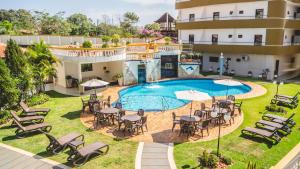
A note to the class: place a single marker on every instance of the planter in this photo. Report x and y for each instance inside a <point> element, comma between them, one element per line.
<point>120,81</point>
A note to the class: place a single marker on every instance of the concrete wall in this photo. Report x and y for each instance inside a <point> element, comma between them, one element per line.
<point>60,80</point>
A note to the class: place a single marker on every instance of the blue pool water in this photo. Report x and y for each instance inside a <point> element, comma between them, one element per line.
<point>161,96</point>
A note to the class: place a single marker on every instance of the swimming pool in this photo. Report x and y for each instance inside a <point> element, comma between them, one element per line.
<point>160,96</point>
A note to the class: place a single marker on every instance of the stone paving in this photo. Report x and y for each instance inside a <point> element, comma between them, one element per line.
<point>12,158</point>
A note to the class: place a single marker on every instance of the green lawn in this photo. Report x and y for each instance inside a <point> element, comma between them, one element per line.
<point>64,117</point>
<point>243,150</point>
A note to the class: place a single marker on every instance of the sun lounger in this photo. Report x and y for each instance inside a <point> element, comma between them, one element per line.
<point>280,119</point>
<point>287,97</point>
<point>33,111</point>
<point>22,130</point>
<point>57,145</point>
<point>82,155</point>
<point>273,136</point>
<point>292,103</point>
<point>265,124</point>
<point>27,119</point>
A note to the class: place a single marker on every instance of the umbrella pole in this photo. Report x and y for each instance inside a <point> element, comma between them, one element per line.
<point>191,109</point>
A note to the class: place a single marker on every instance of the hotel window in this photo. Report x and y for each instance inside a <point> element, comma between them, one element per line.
<point>191,39</point>
<point>258,40</point>
<point>240,36</point>
<point>241,12</point>
<point>259,13</point>
<point>216,16</point>
<point>229,36</point>
<point>214,59</point>
<point>231,13</point>
<point>192,17</point>
<point>214,39</point>
<point>87,67</point>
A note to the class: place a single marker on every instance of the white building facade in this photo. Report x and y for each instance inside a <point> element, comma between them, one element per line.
<point>255,36</point>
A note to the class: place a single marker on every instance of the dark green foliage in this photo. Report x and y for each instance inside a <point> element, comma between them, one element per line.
<point>226,160</point>
<point>87,44</point>
<point>8,90</point>
<point>4,116</point>
<point>37,99</point>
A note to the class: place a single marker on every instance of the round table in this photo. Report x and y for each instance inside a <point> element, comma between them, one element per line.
<point>227,102</point>
<point>190,119</point>
<point>110,110</point>
<point>131,117</point>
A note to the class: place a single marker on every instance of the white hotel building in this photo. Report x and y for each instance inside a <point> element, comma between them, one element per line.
<point>254,35</point>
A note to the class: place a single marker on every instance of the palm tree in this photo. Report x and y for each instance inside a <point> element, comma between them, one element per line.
<point>43,63</point>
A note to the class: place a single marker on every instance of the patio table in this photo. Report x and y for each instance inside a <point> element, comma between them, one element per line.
<point>131,117</point>
<point>110,112</point>
<point>190,119</point>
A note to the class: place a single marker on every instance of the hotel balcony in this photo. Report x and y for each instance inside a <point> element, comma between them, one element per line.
<point>91,55</point>
<point>242,47</point>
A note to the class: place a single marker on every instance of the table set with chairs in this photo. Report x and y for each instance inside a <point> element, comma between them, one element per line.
<point>106,114</point>
<point>221,112</point>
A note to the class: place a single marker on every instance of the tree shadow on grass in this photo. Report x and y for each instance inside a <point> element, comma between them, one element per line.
<point>54,94</point>
<point>186,166</point>
<point>72,115</point>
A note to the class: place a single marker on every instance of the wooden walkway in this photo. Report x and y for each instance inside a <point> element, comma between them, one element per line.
<point>13,158</point>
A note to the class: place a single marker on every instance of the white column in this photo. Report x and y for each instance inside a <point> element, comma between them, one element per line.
<point>79,72</point>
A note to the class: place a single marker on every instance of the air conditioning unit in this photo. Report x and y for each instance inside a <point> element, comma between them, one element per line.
<point>246,58</point>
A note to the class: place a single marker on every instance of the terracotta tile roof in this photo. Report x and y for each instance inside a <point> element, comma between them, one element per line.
<point>2,49</point>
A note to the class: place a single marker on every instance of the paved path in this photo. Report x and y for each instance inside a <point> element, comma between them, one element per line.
<point>13,158</point>
<point>155,156</point>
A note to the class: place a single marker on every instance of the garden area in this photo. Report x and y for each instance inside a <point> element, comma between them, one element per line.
<point>243,150</point>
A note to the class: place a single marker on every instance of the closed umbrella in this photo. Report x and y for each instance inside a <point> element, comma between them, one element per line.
<point>94,83</point>
<point>192,95</point>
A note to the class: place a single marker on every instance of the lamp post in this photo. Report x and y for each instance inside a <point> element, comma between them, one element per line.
<point>277,82</point>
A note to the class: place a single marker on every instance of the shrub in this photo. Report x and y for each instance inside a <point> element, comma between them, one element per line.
<point>127,42</point>
<point>214,152</point>
<point>168,40</point>
<point>105,45</point>
<point>4,116</point>
<point>212,161</point>
<point>203,159</point>
<point>115,38</point>
<point>226,160</point>
<point>37,99</point>
<point>87,44</point>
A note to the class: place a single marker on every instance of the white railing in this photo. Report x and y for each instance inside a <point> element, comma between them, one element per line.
<point>88,52</point>
<point>183,20</point>
<point>167,48</point>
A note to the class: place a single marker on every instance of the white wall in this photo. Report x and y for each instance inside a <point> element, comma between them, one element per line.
<point>256,64</point>
<point>204,36</point>
<point>206,12</point>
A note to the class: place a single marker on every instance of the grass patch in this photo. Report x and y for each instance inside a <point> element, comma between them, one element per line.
<point>64,117</point>
<point>243,150</point>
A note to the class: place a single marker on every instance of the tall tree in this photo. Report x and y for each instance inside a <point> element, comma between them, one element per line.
<point>44,63</point>
<point>80,24</point>
<point>129,21</point>
<point>18,66</point>
<point>8,90</point>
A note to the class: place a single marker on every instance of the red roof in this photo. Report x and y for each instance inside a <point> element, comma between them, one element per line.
<point>2,49</point>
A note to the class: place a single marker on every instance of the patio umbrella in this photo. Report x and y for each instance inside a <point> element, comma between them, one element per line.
<point>192,95</point>
<point>228,82</point>
<point>94,83</point>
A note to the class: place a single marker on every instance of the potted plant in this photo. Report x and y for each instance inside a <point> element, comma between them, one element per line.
<point>189,58</point>
<point>182,58</point>
<point>105,40</point>
<point>119,77</point>
<point>115,39</point>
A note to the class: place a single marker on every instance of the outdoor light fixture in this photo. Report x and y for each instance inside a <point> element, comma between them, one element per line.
<point>278,82</point>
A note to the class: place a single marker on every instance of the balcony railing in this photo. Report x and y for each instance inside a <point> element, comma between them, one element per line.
<point>142,56</point>
<point>253,43</point>
<point>87,52</point>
